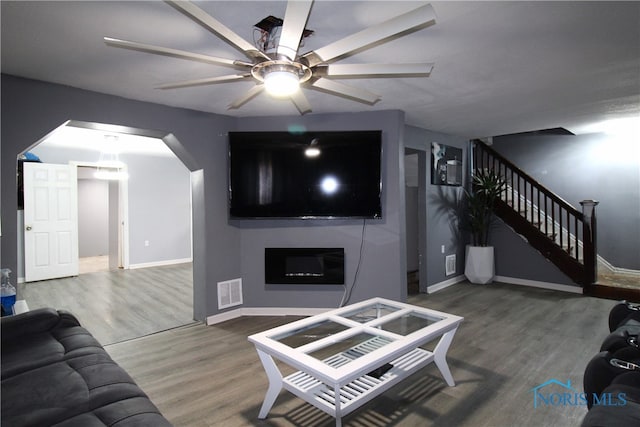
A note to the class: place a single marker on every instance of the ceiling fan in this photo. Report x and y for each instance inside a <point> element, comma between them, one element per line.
<point>283,70</point>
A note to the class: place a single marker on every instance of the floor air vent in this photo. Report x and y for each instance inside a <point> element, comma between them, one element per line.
<point>229,293</point>
<point>450,265</point>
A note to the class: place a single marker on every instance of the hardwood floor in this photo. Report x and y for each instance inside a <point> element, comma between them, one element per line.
<point>513,339</point>
<point>122,304</point>
<point>93,264</point>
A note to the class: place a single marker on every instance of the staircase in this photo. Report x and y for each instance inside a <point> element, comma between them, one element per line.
<point>560,232</point>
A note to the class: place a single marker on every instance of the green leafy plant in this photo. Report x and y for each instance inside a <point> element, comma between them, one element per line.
<point>486,188</point>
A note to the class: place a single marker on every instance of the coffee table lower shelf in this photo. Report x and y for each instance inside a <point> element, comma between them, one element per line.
<point>357,392</point>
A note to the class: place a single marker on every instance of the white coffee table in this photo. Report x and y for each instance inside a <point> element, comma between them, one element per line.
<point>337,353</point>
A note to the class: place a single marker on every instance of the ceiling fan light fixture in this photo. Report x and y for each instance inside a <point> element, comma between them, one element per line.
<point>281,83</point>
<point>312,150</point>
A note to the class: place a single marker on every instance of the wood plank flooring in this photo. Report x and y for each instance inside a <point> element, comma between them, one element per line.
<point>122,304</point>
<point>513,339</point>
<point>93,264</point>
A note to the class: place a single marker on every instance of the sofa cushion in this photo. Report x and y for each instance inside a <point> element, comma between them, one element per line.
<point>627,414</point>
<point>23,353</point>
<point>55,373</point>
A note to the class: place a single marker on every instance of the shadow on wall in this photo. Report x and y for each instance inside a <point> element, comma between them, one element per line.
<point>450,205</point>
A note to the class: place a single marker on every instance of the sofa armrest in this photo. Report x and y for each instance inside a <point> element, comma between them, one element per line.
<point>34,321</point>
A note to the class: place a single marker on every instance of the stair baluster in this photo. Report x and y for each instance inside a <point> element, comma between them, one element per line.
<point>559,231</point>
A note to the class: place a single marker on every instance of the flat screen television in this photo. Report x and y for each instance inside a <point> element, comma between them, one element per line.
<point>305,175</point>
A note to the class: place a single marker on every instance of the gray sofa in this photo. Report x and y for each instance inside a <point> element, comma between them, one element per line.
<point>55,373</point>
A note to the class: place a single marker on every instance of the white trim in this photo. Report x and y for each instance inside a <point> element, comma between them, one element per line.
<point>536,284</point>
<point>264,311</point>
<point>160,263</point>
<point>445,284</point>
<point>613,269</point>
<point>626,271</point>
<point>606,264</point>
<point>123,224</point>
<point>223,317</point>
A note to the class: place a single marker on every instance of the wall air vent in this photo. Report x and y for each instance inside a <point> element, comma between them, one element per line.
<point>229,293</point>
<point>450,265</point>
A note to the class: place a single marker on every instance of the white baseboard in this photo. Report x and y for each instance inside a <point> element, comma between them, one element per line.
<point>160,263</point>
<point>616,270</point>
<point>626,271</point>
<point>264,311</point>
<point>449,282</point>
<point>536,284</point>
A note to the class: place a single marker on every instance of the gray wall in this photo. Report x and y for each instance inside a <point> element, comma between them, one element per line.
<point>93,217</point>
<point>439,205</point>
<point>515,258</point>
<point>594,166</point>
<point>159,209</point>
<point>31,109</point>
<point>158,198</point>
<point>383,269</point>
<point>222,250</point>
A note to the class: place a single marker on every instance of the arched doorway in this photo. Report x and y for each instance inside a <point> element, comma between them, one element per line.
<point>142,167</point>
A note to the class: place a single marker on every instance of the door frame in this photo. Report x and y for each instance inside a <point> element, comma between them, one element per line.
<point>123,215</point>
<point>422,212</point>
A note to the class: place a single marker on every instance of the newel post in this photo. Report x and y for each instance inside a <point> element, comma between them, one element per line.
<point>589,241</point>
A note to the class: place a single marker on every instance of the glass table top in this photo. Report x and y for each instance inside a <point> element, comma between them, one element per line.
<point>314,332</point>
<point>350,334</point>
<point>409,323</point>
<point>369,313</point>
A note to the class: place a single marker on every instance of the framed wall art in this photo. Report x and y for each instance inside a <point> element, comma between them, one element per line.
<point>446,165</point>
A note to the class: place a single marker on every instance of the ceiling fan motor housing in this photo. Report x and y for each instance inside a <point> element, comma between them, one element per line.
<point>260,70</point>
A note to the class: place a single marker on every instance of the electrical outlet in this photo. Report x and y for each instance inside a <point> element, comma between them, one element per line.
<point>146,243</point>
<point>442,249</point>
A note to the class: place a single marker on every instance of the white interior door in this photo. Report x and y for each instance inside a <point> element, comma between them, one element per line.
<point>50,221</point>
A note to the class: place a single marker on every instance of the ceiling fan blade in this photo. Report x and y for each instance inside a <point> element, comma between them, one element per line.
<point>295,19</point>
<point>400,25</point>
<point>218,28</point>
<point>378,70</point>
<point>248,96</point>
<point>174,53</point>
<point>301,102</point>
<point>343,90</point>
<point>206,81</point>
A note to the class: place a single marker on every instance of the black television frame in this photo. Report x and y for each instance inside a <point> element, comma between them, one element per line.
<point>377,215</point>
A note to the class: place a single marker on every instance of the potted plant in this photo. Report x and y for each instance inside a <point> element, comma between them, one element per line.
<point>479,215</point>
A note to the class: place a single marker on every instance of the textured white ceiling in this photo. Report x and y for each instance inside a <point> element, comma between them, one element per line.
<point>500,67</point>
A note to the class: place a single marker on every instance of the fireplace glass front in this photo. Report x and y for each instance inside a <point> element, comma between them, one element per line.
<point>304,266</point>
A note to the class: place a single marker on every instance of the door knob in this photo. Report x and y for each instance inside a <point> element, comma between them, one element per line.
<point>28,228</point>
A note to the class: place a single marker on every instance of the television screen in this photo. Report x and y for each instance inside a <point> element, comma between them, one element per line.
<point>305,175</point>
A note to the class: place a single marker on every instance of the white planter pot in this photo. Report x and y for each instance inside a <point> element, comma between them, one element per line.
<point>479,264</point>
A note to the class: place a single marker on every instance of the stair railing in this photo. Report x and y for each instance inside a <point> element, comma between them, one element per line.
<point>571,233</point>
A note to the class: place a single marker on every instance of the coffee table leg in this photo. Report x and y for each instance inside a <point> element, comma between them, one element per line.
<point>440,354</point>
<point>338,409</point>
<point>275,383</point>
